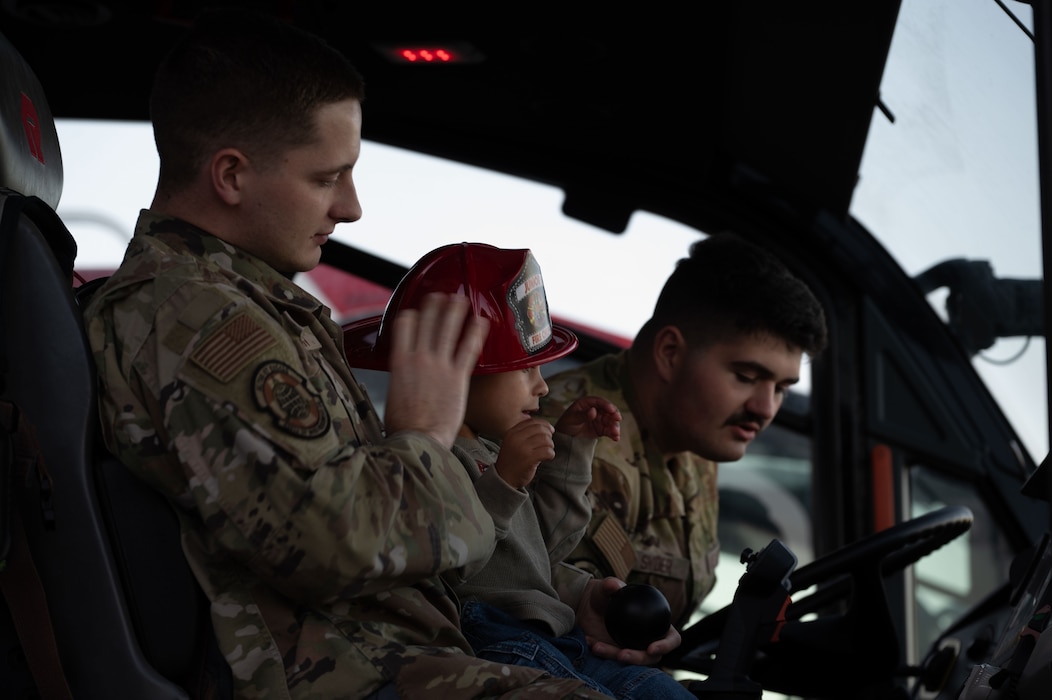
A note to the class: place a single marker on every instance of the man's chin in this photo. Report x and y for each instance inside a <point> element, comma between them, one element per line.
<point>730,453</point>
<point>308,263</point>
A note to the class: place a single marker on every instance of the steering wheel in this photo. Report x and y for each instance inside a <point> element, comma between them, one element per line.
<point>849,639</point>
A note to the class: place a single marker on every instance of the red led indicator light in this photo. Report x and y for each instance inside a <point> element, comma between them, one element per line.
<point>444,52</point>
<point>427,55</point>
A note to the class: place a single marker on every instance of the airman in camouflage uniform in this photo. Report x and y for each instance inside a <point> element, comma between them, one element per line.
<point>702,378</point>
<point>319,539</point>
<point>637,490</point>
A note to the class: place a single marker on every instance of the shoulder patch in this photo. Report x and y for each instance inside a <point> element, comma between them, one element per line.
<point>227,350</point>
<point>284,393</point>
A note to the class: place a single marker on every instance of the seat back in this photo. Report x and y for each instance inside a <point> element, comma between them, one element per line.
<point>129,619</point>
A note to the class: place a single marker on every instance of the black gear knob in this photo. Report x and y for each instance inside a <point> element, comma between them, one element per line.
<point>637,615</point>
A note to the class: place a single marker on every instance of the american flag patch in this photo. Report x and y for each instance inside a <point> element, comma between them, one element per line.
<point>612,541</point>
<point>224,353</point>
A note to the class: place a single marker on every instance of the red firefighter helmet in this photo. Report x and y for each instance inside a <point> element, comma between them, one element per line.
<point>504,286</point>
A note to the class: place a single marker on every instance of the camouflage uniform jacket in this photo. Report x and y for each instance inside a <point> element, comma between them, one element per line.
<point>536,528</point>
<point>318,540</point>
<point>653,515</point>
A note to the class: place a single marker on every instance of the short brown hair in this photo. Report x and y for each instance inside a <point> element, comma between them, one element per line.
<point>245,80</point>
<point>729,287</point>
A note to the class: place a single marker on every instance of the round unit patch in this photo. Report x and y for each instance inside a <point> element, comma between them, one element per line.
<point>281,391</point>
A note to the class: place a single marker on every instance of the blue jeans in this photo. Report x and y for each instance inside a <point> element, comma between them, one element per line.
<point>497,636</point>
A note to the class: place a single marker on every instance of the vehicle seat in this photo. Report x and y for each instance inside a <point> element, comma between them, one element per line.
<point>129,619</point>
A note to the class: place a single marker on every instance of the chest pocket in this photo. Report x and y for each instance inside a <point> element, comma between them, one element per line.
<point>615,490</point>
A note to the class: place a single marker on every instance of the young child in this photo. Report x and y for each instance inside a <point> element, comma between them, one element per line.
<point>531,477</point>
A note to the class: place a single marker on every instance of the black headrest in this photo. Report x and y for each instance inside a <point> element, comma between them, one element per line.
<point>30,159</point>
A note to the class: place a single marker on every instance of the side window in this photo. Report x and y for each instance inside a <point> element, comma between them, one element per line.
<point>949,581</point>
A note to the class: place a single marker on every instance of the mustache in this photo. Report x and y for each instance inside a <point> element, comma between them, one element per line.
<point>747,418</point>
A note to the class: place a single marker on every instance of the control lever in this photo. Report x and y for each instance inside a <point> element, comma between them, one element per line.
<point>756,617</point>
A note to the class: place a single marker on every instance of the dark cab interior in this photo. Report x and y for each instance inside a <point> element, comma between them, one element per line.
<point>755,120</point>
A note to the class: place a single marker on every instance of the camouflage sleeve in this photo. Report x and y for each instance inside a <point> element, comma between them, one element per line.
<point>553,407</point>
<point>357,522</point>
<point>285,470</point>
<point>560,495</point>
<point>566,387</point>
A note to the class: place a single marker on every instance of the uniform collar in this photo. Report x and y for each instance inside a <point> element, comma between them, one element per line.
<point>182,238</point>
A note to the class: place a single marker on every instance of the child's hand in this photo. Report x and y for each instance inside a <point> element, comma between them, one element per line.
<point>591,417</point>
<point>524,446</point>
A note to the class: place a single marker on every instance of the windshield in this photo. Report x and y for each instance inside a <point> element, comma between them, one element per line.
<point>949,171</point>
<point>955,174</point>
